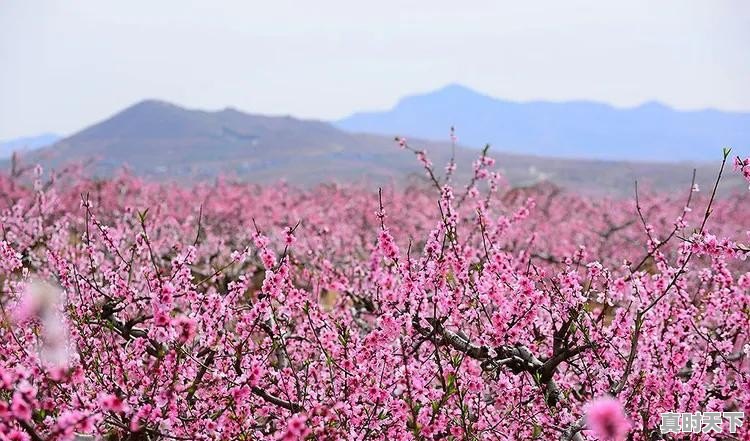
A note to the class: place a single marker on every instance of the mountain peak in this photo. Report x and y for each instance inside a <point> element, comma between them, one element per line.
<point>151,103</point>
<point>653,105</point>
<point>456,88</point>
<point>453,95</point>
<point>453,92</point>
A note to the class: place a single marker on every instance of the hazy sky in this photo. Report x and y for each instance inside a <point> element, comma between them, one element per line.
<point>64,65</point>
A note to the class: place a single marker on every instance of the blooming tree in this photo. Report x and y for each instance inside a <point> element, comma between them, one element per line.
<point>141,311</point>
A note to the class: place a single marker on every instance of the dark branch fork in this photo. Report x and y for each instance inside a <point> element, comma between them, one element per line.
<point>516,358</point>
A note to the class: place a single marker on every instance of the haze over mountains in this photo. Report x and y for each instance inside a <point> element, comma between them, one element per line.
<point>26,143</point>
<point>160,140</point>
<point>576,129</point>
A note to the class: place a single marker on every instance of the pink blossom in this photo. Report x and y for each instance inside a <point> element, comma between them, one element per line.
<point>186,328</point>
<point>18,435</point>
<point>112,403</point>
<point>606,418</point>
<point>743,167</point>
<point>20,408</point>
<point>10,260</point>
<point>296,428</point>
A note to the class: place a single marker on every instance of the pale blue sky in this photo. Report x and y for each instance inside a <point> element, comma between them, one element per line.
<point>64,65</point>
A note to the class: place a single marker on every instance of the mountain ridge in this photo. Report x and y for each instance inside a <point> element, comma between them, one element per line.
<point>580,129</point>
<point>164,141</point>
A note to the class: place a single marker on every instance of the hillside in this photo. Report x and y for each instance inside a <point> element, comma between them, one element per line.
<point>578,129</point>
<point>161,141</point>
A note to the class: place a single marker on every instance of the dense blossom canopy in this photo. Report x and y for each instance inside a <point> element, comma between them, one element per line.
<point>141,311</point>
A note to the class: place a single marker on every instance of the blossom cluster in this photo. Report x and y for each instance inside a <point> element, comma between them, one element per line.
<point>225,311</point>
<point>743,167</point>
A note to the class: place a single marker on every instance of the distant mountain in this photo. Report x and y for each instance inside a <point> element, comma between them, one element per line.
<point>27,143</point>
<point>576,129</point>
<point>161,141</point>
